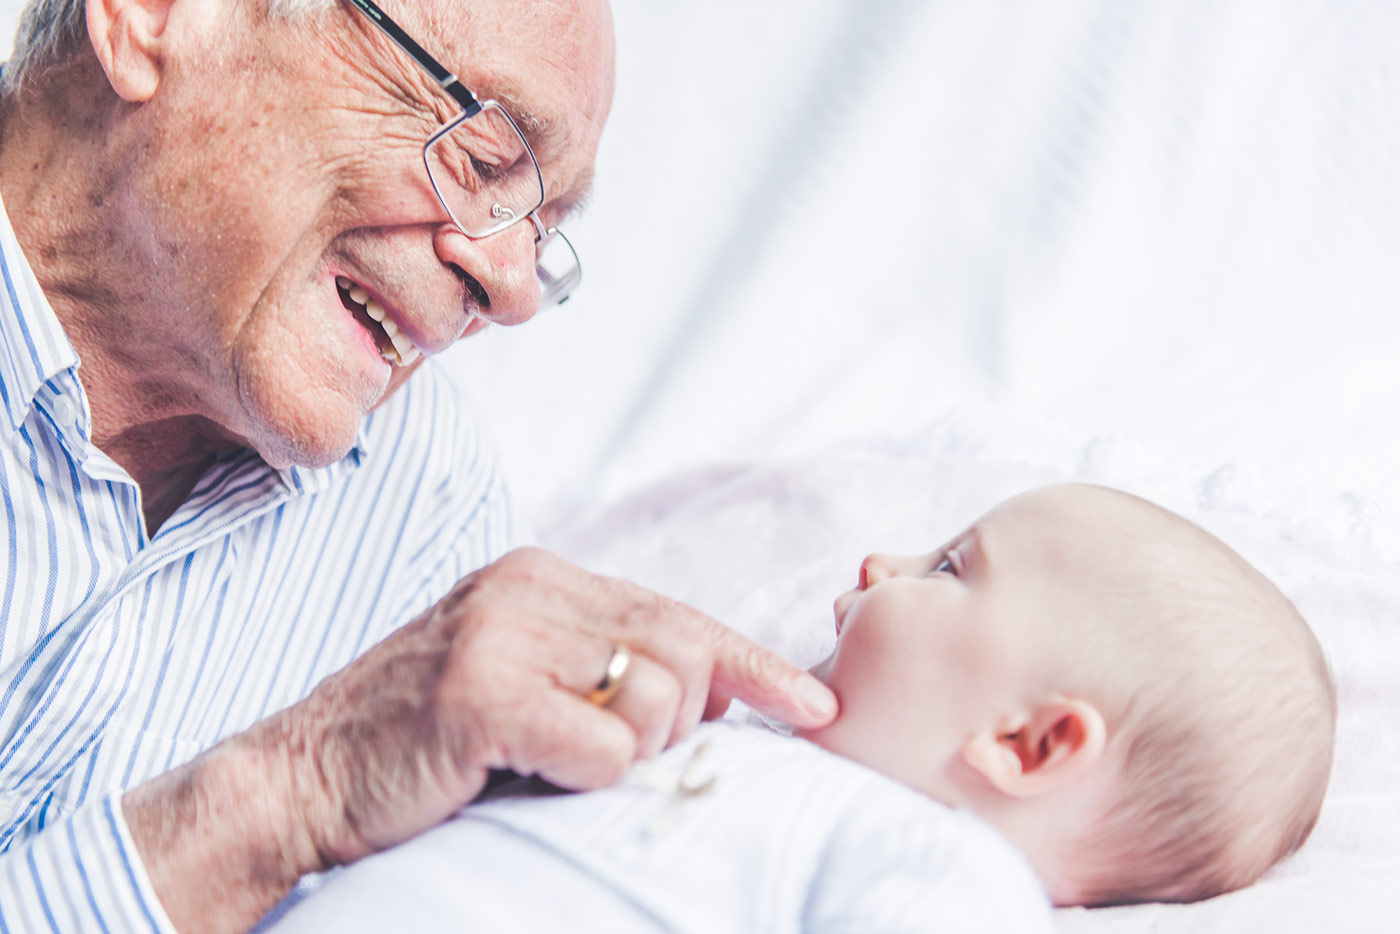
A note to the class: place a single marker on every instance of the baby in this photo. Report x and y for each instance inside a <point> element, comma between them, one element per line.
<point>1128,701</point>
<point>1082,696</point>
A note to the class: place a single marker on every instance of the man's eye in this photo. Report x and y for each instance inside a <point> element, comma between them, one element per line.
<point>486,170</point>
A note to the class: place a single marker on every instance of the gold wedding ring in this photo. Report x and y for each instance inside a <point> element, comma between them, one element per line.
<point>611,681</point>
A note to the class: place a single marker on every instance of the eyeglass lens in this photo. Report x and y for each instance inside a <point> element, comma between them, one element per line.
<point>483,172</point>
<point>557,267</point>
<point>486,177</point>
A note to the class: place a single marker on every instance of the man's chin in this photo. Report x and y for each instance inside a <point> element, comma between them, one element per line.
<point>308,449</point>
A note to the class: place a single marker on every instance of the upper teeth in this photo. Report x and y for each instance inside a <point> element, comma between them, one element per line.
<point>407,352</point>
<point>401,352</point>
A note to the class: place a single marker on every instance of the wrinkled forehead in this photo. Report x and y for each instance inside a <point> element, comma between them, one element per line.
<point>550,63</point>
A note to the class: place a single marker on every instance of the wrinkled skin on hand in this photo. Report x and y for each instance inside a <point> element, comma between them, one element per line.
<point>495,677</point>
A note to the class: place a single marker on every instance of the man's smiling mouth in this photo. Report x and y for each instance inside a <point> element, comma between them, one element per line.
<point>393,346</point>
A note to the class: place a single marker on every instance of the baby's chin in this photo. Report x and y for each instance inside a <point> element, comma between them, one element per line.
<point>819,671</point>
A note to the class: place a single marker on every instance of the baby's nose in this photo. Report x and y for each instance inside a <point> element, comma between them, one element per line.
<point>873,569</point>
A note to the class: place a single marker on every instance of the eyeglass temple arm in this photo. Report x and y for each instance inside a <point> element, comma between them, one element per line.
<point>445,79</point>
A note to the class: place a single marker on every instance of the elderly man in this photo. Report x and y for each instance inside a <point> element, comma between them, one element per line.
<point>257,614</point>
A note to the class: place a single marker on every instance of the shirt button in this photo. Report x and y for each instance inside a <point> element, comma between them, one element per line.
<point>65,412</point>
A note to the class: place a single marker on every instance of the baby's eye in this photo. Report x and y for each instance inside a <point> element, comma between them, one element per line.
<point>946,566</point>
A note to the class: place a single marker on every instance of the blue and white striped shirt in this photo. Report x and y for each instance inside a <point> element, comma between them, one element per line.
<point>124,654</point>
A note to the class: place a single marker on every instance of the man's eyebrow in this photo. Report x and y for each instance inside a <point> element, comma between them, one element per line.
<point>547,136</point>
<point>543,132</point>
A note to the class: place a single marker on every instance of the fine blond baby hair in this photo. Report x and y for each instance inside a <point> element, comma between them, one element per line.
<point>1218,701</point>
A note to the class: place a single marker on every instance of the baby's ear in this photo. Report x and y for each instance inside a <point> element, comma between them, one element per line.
<point>1039,752</point>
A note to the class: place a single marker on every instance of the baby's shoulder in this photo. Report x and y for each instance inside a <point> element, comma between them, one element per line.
<point>900,866</point>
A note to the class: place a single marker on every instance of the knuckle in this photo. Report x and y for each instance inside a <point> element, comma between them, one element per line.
<point>520,563</point>
<point>531,556</point>
<point>693,658</point>
<point>659,694</point>
<point>648,612</point>
<point>643,610</point>
<point>759,664</point>
<point>526,565</point>
<point>511,590</point>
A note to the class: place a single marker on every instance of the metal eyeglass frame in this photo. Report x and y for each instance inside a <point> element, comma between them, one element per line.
<point>471,106</point>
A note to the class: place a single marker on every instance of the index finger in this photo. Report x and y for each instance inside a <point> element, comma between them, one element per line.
<point>767,682</point>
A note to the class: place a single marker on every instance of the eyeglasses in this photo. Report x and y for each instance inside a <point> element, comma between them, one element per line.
<point>484,172</point>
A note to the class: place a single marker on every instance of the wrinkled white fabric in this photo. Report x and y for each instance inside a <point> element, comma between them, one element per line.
<point>785,838</point>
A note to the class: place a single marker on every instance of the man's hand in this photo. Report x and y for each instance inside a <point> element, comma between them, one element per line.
<point>493,677</point>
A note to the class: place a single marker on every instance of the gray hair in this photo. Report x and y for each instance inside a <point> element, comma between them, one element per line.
<point>50,30</point>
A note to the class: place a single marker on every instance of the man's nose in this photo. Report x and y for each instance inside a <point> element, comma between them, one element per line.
<point>503,264</point>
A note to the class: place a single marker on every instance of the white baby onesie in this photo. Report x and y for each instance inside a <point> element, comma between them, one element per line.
<point>736,829</point>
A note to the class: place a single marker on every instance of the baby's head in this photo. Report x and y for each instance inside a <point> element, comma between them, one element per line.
<point>1132,704</point>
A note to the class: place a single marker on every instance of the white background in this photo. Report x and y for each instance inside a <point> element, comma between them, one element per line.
<point>1173,222</point>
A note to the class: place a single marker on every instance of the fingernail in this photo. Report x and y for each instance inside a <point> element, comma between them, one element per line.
<point>817,698</point>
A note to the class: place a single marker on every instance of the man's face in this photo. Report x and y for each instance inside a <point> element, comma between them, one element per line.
<point>276,158</point>
<point>932,648</point>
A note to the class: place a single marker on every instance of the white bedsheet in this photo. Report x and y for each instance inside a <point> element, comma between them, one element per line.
<point>767,547</point>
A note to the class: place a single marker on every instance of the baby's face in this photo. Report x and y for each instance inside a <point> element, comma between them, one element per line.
<point>932,648</point>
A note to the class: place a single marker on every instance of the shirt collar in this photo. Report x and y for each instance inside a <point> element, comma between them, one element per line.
<point>33,345</point>
<point>302,480</point>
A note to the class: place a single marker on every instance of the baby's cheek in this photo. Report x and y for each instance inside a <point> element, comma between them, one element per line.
<point>845,737</point>
<point>969,655</point>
